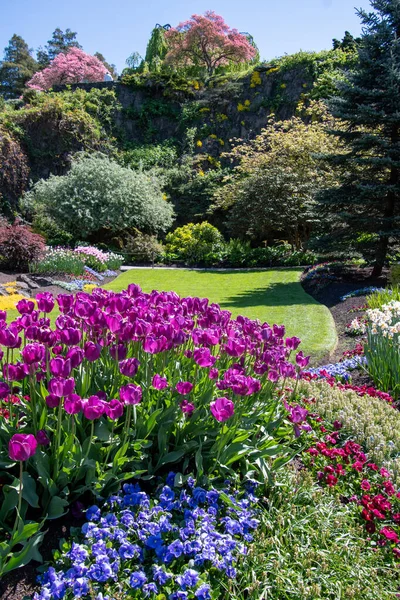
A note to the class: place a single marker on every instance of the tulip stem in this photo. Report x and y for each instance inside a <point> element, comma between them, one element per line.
<point>18,515</point>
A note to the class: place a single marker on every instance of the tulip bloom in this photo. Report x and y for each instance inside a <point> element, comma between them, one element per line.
<point>42,438</point>
<point>61,387</point>
<point>45,302</point>
<point>92,351</point>
<point>93,408</point>
<point>203,357</point>
<point>159,383</point>
<point>184,387</point>
<point>114,409</point>
<point>129,367</point>
<point>22,446</point>
<point>73,404</point>
<point>222,409</point>
<point>131,394</point>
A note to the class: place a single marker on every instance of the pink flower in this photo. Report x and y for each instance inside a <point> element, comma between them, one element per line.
<point>390,534</point>
<point>131,394</point>
<point>184,387</point>
<point>22,446</point>
<point>365,485</point>
<point>159,383</point>
<point>222,409</point>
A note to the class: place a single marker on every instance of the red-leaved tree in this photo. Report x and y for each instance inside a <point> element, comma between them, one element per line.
<point>73,67</point>
<point>207,41</point>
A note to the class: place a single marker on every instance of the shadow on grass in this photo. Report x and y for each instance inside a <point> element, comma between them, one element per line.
<point>275,294</point>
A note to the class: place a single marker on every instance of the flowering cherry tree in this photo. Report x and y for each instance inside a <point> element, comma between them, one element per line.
<point>206,40</point>
<point>73,67</point>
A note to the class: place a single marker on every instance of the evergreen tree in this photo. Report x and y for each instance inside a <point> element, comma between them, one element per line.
<point>366,205</point>
<point>60,42</point>
<point>16,68</point>
<point>112,69</point>
<point>157,47</point>
<point>348,43</point>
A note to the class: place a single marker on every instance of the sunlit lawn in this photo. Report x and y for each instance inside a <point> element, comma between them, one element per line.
<point>275,296</point>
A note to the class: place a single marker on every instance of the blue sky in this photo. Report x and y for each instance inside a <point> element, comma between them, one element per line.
<point>119,27</point>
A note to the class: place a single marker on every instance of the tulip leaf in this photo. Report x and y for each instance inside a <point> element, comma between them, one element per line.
<point>29,552</point>
<point>171,457</point>
<point>57,507</point>
<point>29,490</point>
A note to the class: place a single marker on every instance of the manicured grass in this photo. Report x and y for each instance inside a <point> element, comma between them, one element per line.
<point>275,296</point>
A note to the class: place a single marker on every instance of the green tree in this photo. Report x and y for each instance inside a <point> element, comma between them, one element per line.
<point>271,193</point>
<point>60,42</point>
<point>367,203</point>
<point>348,43</point>
<point>99,195</point>
<point>16,68</point>
<point>112,69</point>
<point>157,48</point>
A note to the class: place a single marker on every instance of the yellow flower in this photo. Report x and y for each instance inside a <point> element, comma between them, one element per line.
<point>201,173</point>
<point>9,302</point>
<point>247,102</point>
<point>213,136</point>
<point>255,79</point>
<point>199,143</point>
<point>164,196</point>
<point>89,287</point>
<point>221,142</point>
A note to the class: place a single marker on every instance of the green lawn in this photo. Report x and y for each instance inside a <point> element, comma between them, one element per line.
<point>275,296</point>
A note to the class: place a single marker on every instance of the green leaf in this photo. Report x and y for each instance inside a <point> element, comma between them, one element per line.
<point>29,490</point>
<point>10,502</point>
<point>171,457</point>
<point>56,507</point>
<point>101,431</point>
<point>29,552</point>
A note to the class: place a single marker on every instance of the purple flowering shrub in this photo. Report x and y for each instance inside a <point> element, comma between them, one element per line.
<point>180,545</point>
<point>126,384</point>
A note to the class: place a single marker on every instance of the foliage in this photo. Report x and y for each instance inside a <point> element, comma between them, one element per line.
<point>157,48</point>
<point>195,244</point>
<point>16,68</point>
<point>206,41</point>
<point>380,297</point>
<point>143,248</point>
<point>60,43</point>
<point>73,67</point>
<point>241,254</point>
<point>308,545</point>
<point>19,245</point>
<point>367,200</point>
<point>382,349</point>
<point>98,193</point>
<point>58,261</point>
<point>271,194</point>
<point>370,421</point>
<point>162,562</point>
<point>148,156</point>
<point>14,170</point>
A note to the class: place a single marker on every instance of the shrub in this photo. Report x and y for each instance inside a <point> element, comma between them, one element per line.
<point>241,254</point>
<point>195,244</point>
<point>19,245</point>
<point>96,194</point>
<point>143,248</point>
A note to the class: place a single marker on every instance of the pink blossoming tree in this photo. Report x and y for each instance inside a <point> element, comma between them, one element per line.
<point>207,41</point>
<point>73,67</point>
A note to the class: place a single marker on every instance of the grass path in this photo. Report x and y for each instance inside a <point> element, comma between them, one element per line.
<point>275,296</point>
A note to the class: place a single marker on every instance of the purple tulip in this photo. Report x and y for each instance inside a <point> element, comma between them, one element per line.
<point>266,334</point>
<point>184,387</point>
<point>129,367</point>
<point>25,307</point>
<point>60,367</point>
<point>10,338</point>
<point>70,336</point>
<point>42,438</point>
<point>222,409</point>
<point>158,382</point>
<point>22,446</point>
<point>187,408</point>
<point>235,348</point>
<point>61,387</point>
<point>92,351</point>
<point>16,372</point>
<point>93,408</point>
<point>292,343</point>
<point>302,360</point>
<point>273,375</point>
<point>203,357</point>
<point>84,308</point>
<point>52,400</point>
<point>45,302</point>
<point>3,315</point>
<point>4,390</point>
<point>33,353</point>
<point>213,374</point>
<point>114,323</point>
<point>75,355</point>
<point>73,404</point>
<point>65,302</point>
<point>118,351</point>
<point>287,370</point>
<point>114,409</point>
<point>131,394</point>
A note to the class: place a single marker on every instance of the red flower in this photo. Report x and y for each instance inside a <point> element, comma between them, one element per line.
<point>331,480</point>
<point>365,485</point>
<point>390,534</point>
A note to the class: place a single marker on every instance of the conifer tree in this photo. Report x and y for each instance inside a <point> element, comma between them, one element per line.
<point>16,68</point>
<point>366,205</point>
<point>60,42</point>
